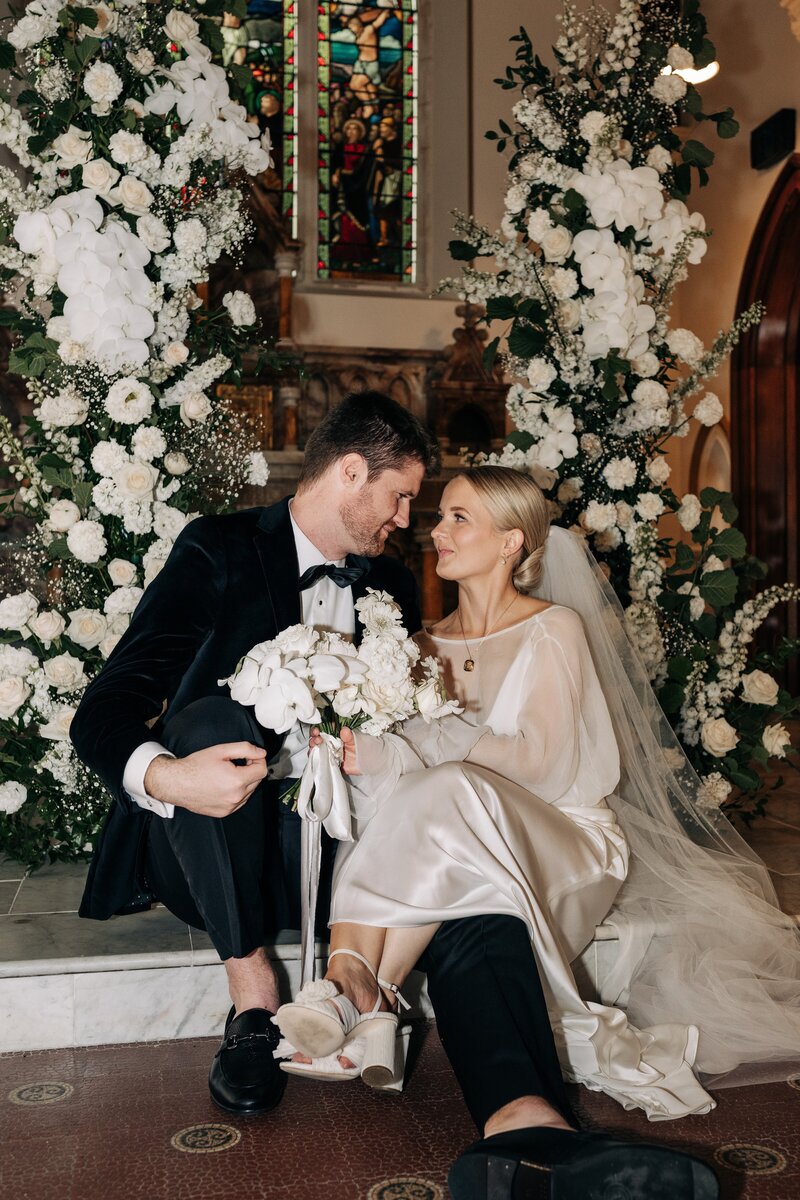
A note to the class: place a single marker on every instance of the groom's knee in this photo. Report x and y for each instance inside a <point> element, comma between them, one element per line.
<point>210,721</point>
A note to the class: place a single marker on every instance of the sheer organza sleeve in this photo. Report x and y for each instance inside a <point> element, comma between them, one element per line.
<point>562,747</point>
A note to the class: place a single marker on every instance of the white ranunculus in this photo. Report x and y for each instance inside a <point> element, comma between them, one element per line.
<point>620,473</point>
<point>57,728</point>
<point>136,480</point>
<point>17,610</point>
<point>556,244</point>
<point>87,541</point>
<point>669,89</point>
<point>598,517</point>
<point>649,506</point>
<point>122,601</point>
<point>121,572</point>
<point>12,796</point>
<point>690,511</point>
<point>759,688</point>
<point>718,737</point>
<point>99,176</point>
<point>240,308</point>
<point>129,402</point>
<point>65,672</point>
<point>63,514</point>
<point>176,463</point>
<point>68,407</point>
<point>102,84</point>
<point>14,691</point>
<point>541,374</point>
<point>195,408</point>
<point>73,148</point>
<point>175,354</point>
<point>776,740</point>
<point>134,196</point>
<point>47,627</point>
<point>87,627</point>
<point>679,58</point>
<point>180,27</point>
<point>685,345</point>
<point>708,410</point>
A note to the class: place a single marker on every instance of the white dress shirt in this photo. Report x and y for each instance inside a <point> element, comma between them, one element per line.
<point>325,605</point>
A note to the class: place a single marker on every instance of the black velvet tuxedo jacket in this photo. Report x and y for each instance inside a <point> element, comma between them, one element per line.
<point>230,582</point>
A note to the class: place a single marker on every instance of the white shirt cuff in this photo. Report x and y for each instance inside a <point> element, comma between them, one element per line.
<point>133,778</point>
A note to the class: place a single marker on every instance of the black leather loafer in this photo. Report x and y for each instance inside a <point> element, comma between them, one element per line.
<point>557,1164</point>
<point>244,1078</point>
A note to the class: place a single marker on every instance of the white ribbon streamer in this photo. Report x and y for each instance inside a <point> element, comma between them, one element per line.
<point>322,800</point>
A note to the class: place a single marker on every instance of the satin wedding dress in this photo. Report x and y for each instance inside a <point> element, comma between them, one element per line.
<point>509,809</point>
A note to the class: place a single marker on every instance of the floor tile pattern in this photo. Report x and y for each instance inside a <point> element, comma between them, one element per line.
<point>124,1131</point>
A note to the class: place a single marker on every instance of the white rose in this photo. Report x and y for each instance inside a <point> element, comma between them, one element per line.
<point>107,22</point>
<point>541,374</point>
<point>87,627</point>
<point>16,611</point>
<point>13,694</point>
<point>176,463</point>
<point>556,244</point>
<point>136,480</point>
<point>620,473</point>
<point>65,672</point>
<point>47,627</point>
<point>718,737</point>
<point>175,354</point>
<point>709,410</point>
<point>129,402</point>
<point>759,688</point>
<point>63,514</point>
<point>669,89</point>
<point>240,308</point>
<point>73,148</point>
<point>679,58</point>
<point>57,728</point>
<point>649,506</point>
<point>776,740</point>
<point>121,572</point>
<point>134,196</point>
<point>99,176</point>
<point>690,511</point>
<point>138,110</point>
<point>87,541</point>
<point>195,407</point>
<point>658,469</point>
<point>109,643</point>
<point>12,796</point>
<point>180,27</point>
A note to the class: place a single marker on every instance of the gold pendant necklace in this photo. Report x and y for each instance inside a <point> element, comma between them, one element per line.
<point>469,661</point>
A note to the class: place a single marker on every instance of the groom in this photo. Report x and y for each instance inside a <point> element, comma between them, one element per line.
<point>196,819</point>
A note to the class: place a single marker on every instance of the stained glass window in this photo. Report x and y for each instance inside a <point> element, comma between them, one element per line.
<point>265,42</point>
<point>367,107</point>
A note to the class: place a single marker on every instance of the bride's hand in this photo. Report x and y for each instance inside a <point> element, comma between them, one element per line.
<point>350,759</point>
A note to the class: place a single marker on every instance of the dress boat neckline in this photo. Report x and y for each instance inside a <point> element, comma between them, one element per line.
<point>487,637</point>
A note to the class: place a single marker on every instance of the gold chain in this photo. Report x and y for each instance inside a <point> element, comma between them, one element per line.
<point>469,661</point>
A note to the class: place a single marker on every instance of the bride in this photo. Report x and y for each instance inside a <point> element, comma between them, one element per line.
<point>562,797</point>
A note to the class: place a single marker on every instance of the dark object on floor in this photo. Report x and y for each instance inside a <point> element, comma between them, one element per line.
<point>244,1078</point>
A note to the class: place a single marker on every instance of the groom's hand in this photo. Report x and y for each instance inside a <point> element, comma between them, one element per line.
<point>213,782</point>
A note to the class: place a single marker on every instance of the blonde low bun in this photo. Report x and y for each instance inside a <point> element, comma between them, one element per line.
<point>515,501</point>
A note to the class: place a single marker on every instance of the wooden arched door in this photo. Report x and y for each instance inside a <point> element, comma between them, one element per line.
<point>765,377</point>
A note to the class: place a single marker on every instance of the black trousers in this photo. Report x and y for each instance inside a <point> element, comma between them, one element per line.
<point>238,878</point>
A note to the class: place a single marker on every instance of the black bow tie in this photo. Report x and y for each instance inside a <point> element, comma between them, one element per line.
<point>342,576</point>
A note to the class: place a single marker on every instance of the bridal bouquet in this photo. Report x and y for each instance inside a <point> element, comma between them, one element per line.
<point>320,678</point>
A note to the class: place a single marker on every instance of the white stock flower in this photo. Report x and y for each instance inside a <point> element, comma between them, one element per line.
<point>136,480</point>
<point>759,688</point>
<point>12,794</point>
<point>620,473</point>
<point>121,572</point>
<point>65,673</point>
<point>176,463</point>
<point>599,517</point>
<point>776,740</point>
<point>708,410</point>
<point>669,89</point>
<point>129,402</point>
<point>649,506</point>
<point>63,514</point>
<point>48,626</point>
<point>148,442</point>
<point>57,728</point>
<point>241,309</point>
<point>690,511</point>
<point>195,408</point>
<point>87,541</point>
<point>658,469</point>
<point>718,737</point>
<point>685,345</point>
<point>14,691</point>
<point>17,610</point>
<point>73,148</point>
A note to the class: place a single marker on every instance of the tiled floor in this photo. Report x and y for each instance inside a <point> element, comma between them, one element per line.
<point>102,1124</point>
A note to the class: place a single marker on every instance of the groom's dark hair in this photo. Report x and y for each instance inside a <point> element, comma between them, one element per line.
<point>385,434</point>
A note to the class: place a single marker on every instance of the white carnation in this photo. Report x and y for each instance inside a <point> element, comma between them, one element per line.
<point>646,365</point>
<point>649,506</point>
<point>17,610</point>
<point>125,147</point>
<point>679,58</point>
<point>620,473</point>
<point>87,541</point>
<point>541,374</point>
<point>669,89</point>
<point>123,600</point>
<point>713,791</point>
<point>103,85</point>
<point>240,308</point>
<point>658,469</point>
<point>690,511</point>
<point>599,517</point>
<point>12,794</point>
<point>108,457</point>
<point>148,442</point>
<point>709,410</point>
<point>685,345</point>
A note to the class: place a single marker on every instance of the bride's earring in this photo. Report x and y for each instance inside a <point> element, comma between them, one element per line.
<point>503,559</point>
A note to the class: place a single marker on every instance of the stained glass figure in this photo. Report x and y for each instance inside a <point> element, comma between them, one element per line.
<point>367,90</point>
<point>265,44</point>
